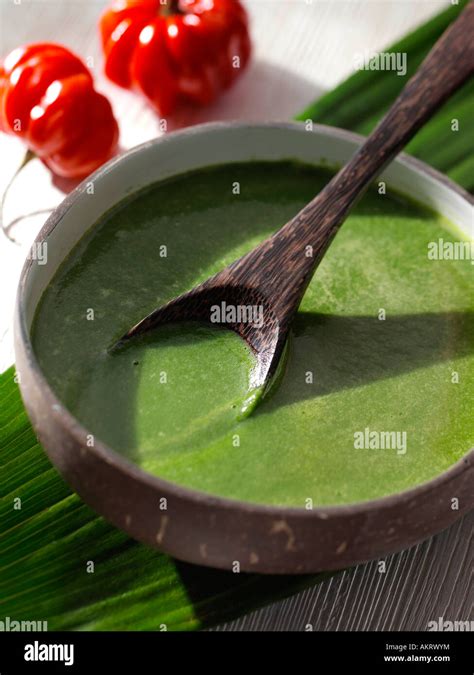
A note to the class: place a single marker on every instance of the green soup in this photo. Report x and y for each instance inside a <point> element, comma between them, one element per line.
<point>377,388</point>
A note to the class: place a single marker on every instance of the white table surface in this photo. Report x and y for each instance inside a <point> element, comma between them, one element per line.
<point>302,48</point>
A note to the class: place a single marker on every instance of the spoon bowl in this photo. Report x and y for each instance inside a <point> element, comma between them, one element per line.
<point>243,309</point>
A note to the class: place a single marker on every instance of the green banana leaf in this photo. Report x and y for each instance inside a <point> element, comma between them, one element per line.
<point>359,102</point>
<point>49,537</point>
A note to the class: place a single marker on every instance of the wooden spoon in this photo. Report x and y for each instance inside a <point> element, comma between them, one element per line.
<point>273,277</point>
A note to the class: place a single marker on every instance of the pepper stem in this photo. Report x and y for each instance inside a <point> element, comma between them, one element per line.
<point>29,155</point>
<point>171,7</point>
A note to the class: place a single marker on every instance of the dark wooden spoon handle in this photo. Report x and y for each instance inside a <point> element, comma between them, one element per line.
<point>291,255</point>
<point>448,65</point>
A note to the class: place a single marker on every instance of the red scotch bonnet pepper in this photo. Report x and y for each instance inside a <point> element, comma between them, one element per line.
<point>47,98</point>
<point>175,51</point>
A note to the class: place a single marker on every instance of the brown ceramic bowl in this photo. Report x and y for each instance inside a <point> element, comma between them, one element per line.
<point>198,527</point>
